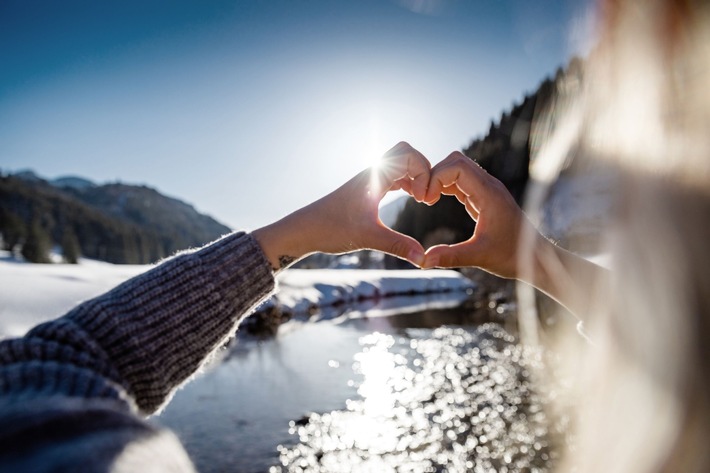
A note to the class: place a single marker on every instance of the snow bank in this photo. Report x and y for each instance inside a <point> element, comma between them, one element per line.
<point>31,294</point>
<point>304,290</point>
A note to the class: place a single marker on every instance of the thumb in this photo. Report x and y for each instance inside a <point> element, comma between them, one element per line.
<point>397,244</point>
<point>451,256</point>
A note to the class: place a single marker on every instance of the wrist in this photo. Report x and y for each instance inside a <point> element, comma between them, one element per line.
<point>284,242</point>
<point>539,263</point>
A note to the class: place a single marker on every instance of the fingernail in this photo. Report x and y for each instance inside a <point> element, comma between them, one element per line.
<point>416,257</point>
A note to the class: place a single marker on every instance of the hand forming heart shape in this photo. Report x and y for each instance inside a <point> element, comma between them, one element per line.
<point>347,219</point>
<point>494,243</point>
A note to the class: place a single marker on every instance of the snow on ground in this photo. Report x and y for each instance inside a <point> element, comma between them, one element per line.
<point>31,293</point>
<point>34,293</point>
<point>373,290</point>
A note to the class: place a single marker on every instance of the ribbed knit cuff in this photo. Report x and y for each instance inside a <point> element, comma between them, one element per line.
<point>161,326</point>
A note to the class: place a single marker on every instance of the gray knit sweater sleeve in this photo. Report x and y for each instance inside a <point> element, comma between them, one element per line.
<point>69,389</point>
<point>149,334</point>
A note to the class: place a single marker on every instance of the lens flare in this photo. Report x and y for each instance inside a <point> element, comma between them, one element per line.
<point>375,161</point>
<point>377,168</point>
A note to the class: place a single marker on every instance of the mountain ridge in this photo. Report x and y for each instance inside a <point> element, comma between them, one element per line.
<point>114,222</point>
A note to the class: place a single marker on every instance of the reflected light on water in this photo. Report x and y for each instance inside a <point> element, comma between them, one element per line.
<point>376,364</point>
<point>442,400</point>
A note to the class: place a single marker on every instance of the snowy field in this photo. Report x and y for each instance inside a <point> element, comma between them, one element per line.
<point>30,294</point>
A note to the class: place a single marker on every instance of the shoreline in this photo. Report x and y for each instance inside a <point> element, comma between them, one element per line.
<point>330,294</point>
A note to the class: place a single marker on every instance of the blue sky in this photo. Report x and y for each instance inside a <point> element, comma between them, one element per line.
<point>252,109</point>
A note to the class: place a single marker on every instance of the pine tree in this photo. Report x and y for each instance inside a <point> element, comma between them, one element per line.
<point>13,231</point>
<point>37,245</point>
<point>71,251</point>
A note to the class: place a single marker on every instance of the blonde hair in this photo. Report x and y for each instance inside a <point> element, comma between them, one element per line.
<point>641,389</point>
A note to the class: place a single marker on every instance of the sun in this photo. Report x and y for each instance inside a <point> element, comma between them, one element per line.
<point>373,148</point>
<point>373,158</point>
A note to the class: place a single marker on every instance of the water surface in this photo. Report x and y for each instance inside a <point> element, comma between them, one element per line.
<point>437,390</point>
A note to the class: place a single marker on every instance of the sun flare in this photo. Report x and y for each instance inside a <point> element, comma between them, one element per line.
<point>374,160</point>
<point>374,148</point>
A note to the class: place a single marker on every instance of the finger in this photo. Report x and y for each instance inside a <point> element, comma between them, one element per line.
<point>460,255</point>
<point>396,185</point>
<point>433,194</point>
<point>419,170</point>
<point>463,199</point>
<point>453,189</point>
<point>457,169</point>
<point>388,241</point>
<point>404,184</point>
<point>436,186</point>
<point>443,181</point>
<point>403,161</point>
<point>393,164</point>
<point>442,177</point>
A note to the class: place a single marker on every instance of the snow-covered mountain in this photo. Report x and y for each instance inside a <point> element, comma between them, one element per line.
<point>73,182</point>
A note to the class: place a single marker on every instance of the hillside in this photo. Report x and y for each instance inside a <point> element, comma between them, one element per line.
<point>117,223</point>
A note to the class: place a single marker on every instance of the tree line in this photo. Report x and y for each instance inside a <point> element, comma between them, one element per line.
<point>115,223</point>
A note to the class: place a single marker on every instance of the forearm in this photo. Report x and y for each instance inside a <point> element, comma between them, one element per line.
<point>286,241</point>
<point>567,278</point>
<point>155,330</point>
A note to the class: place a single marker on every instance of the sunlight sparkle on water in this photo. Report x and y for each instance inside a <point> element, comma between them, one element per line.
<point>465,405</point>
<point>376,364</point>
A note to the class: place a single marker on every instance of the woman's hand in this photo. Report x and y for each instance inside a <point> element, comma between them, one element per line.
<point>499,219</point>
<point>496,242</point>
<point>347,219</point>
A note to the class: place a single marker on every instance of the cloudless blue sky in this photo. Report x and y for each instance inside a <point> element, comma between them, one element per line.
<point>251,109</point>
